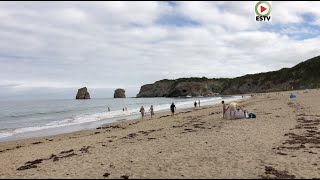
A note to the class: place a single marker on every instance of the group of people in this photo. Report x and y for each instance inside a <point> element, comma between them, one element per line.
<point>123,109</point>
<point>142,111</point>
<point>233,108</point>
<point>151,110</point>
<point>195,103</point>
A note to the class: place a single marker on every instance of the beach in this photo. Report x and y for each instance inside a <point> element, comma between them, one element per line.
<point>282,142</point>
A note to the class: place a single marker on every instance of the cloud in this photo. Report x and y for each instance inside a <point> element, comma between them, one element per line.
<point>9,85</point>
<point>106,45</point>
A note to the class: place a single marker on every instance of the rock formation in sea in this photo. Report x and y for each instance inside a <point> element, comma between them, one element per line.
<point>83,93</point>
<point>119,93</point>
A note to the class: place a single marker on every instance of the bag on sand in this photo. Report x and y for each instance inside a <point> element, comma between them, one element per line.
<point>251,115</point>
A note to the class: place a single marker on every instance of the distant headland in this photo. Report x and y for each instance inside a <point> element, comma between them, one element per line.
<point>305,75</point>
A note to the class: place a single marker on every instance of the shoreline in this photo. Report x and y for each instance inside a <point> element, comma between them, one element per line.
<point>95,124</point>
<point>159,114</point>
<point>195,143</point>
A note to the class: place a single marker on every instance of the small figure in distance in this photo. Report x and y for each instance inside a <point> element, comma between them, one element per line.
<point>108,109</point>
<point>172,108</point>
<point>195,104</point>
<point>224,108</point>
<point>151,111</point>
<point>199,102</point>
<point>142,111</point>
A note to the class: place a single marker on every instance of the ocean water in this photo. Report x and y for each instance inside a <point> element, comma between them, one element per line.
<point>26,119</point>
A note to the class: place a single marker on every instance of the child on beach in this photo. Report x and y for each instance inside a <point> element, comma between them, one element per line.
<point>224,108</point>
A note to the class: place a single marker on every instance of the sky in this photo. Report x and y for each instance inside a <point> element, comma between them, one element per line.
<point>48,50</point>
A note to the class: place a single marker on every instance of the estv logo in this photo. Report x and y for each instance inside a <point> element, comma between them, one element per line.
<point>263,10</point>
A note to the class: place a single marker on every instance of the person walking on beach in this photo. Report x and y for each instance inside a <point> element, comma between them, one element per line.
<point>151,111</point>
<point>224,108</point>
<point>195,104</point>
<point>142,111</point>
<point>172,108</point>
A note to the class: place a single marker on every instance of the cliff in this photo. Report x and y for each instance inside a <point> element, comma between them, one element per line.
<point>304,75</point>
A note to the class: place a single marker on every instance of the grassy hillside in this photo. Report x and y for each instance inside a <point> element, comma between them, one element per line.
<point>304,75</point>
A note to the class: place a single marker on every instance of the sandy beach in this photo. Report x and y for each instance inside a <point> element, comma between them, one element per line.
<point>282,142</point>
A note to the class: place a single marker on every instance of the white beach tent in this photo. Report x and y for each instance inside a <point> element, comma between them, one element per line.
<point>239,114</point>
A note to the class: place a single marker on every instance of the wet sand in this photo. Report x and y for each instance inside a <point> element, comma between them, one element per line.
<point>282,142</point>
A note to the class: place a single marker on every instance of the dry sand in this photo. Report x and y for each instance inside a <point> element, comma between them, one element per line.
<point>282,142</point>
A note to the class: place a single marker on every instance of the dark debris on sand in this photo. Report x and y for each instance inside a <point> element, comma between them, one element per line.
<point>63,154</point>
<point>106,174</point>
<point>30,164</point>
<point>37,142</point>
<point>308,137</point>
<point>8,149</point>
<point>85,149</point>
<point>275,174</point>
<point>124,177</point>
<point>113,127</point>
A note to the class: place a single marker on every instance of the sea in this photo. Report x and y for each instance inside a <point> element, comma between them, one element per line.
<point>38,118</point>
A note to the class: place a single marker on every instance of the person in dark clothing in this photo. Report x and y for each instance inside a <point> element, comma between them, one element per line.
<point>172,108</point>
<point>195,104</point>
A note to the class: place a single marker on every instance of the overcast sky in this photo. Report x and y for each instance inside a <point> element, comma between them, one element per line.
<point>50,49</point>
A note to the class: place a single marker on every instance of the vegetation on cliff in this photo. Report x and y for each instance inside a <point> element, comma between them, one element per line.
<point>304,75</point>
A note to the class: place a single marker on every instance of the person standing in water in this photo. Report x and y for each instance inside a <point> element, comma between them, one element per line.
<point>108,109</point>
<point>195,104</point>
<point>199,102</point>
<point>142,111</point>
<point>172,108</point>
<point>151,111</point>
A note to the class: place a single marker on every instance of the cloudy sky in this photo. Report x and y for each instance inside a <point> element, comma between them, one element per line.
<point>50,49</point>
